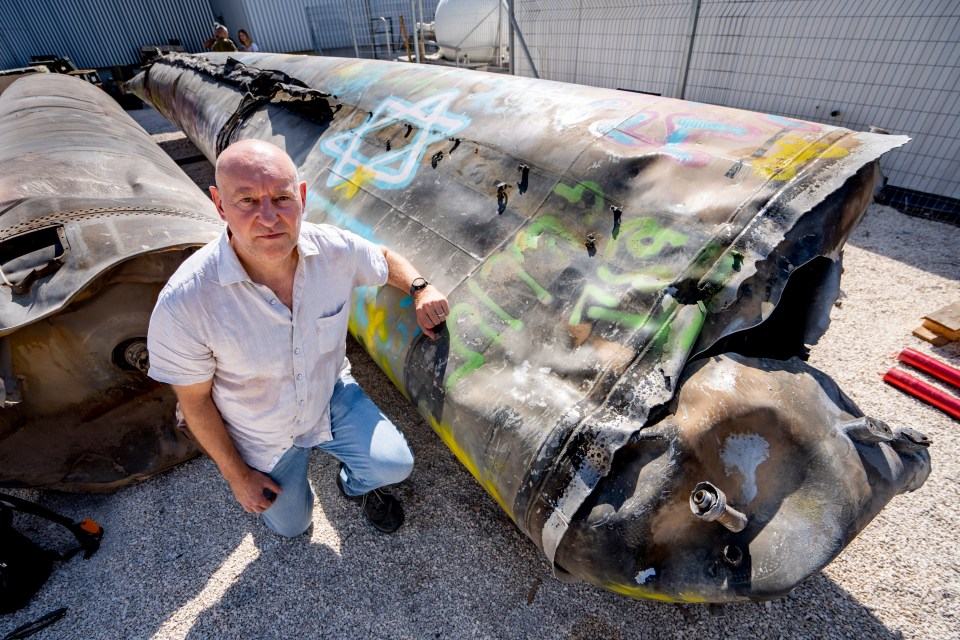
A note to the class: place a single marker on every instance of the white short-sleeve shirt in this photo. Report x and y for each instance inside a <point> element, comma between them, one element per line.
<point>273,368</point>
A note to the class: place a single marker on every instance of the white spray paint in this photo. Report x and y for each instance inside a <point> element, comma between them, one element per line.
<point>745,453</point>
<point>722,379</point>
<point>521,371</point>
<point>645,575</point>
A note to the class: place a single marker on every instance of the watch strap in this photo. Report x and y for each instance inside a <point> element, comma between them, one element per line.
<point>417,285</point>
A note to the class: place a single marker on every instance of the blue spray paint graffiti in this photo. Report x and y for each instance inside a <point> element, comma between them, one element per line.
<point>393,169</point>
<point>336,216</point>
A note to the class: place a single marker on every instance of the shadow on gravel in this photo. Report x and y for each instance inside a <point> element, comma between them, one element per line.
<point>180,560</point>
<point>923,244</point>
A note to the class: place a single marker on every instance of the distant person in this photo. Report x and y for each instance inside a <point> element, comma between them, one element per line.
<point>246,42</point>
<point>221,40</point>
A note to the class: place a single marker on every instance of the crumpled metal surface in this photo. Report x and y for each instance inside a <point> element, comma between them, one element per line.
<point>633,281</point>
<point>94,218</point>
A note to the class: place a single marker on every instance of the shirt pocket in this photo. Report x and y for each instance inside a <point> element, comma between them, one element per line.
<point>332,330</point>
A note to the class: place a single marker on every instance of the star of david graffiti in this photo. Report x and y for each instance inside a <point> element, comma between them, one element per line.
<point>393,169</point>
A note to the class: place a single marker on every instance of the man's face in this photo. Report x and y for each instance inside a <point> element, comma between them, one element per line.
<point>262,204</point>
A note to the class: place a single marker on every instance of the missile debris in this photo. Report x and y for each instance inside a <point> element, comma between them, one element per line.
<point>634,283</point>
<point>94,218</point>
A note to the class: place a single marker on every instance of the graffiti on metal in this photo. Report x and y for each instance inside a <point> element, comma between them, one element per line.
<point>633,282</point>
<point>394,169</point>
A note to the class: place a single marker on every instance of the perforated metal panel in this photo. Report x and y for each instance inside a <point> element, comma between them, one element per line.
<point>893,64</point>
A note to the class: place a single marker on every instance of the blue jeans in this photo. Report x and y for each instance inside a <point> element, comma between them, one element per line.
<point>373,451</point>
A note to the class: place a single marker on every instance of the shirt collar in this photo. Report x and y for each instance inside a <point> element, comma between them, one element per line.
<point>228,264</point>
<point>305,246</point>
<point>229,269</point>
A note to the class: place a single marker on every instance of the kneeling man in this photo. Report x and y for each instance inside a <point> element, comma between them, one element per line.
<point>250,331</point>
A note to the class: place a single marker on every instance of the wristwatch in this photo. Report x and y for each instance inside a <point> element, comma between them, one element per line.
<point>417,285</point>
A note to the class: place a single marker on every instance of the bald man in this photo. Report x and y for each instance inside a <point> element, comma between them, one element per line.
<point>250,331</point>
<point>221,40</point>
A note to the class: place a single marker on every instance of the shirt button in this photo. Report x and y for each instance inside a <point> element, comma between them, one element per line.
<point>297,350</point>
<point>299,376</point>
<point>301,403</point>
<point>273,301</point>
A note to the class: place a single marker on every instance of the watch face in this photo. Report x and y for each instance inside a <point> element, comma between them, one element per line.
<point>417,284</point>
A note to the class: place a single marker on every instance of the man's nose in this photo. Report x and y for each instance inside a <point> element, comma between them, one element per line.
<point>267,214</point>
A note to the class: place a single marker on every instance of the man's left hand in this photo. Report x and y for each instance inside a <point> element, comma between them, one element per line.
<point>432,309</point>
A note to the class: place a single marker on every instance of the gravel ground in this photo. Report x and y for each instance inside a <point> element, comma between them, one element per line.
<point>180,559</point>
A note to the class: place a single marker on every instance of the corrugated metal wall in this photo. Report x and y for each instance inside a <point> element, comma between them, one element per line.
<point>614,44</point>
<point>321,25</point>
<point>890,63</point>
<point>98,33</point>
<point>336,23</point>
<point>278,26</point>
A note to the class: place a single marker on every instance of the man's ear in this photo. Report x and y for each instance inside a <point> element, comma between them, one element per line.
<point>215,194</point>
<point>303,196</point>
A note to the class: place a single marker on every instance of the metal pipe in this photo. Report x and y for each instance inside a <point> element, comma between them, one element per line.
<point>709,503</point>
<point>936,368</point>
<point>688,52</point>
<point>389,33</point>
<point>423,52</point>
<point>866,430</point>
<point>928,393</point>
<point>523,43</point>
<point>353,34</point>
<point>511,42</point>
<point>500,8</point>
<point>373,35</point>
<point>406,40</point>
<point>416,30</point>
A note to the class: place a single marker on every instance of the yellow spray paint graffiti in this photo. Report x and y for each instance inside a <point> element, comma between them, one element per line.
<point>360,177</point>
<point>445,431</point>
<point>369,325</point>
<point>639,592</point>
<point>792,154</point>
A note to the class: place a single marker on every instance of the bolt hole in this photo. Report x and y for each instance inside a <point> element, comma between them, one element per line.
<point>131,355</point>
<point>732,555</point>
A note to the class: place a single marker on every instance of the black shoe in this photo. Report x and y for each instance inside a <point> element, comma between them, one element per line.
<point>382,509</point>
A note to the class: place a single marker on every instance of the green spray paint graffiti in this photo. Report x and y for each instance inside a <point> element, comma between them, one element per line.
<point>599,300</point>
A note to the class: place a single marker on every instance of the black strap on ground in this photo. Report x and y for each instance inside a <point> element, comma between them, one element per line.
<point>89,539</point>
<point>41,623</point>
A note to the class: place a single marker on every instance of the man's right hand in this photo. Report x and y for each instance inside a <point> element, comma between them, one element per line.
<point>255,491</point>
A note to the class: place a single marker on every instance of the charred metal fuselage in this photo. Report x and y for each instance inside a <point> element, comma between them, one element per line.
<point>633,282</point>
<point>94,218</point>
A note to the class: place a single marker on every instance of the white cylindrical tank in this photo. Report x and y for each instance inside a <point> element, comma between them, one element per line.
<point>471,30</point>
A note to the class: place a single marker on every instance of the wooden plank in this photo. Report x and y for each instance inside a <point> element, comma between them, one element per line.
<point>935,339</point>
<point>945,321</point>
